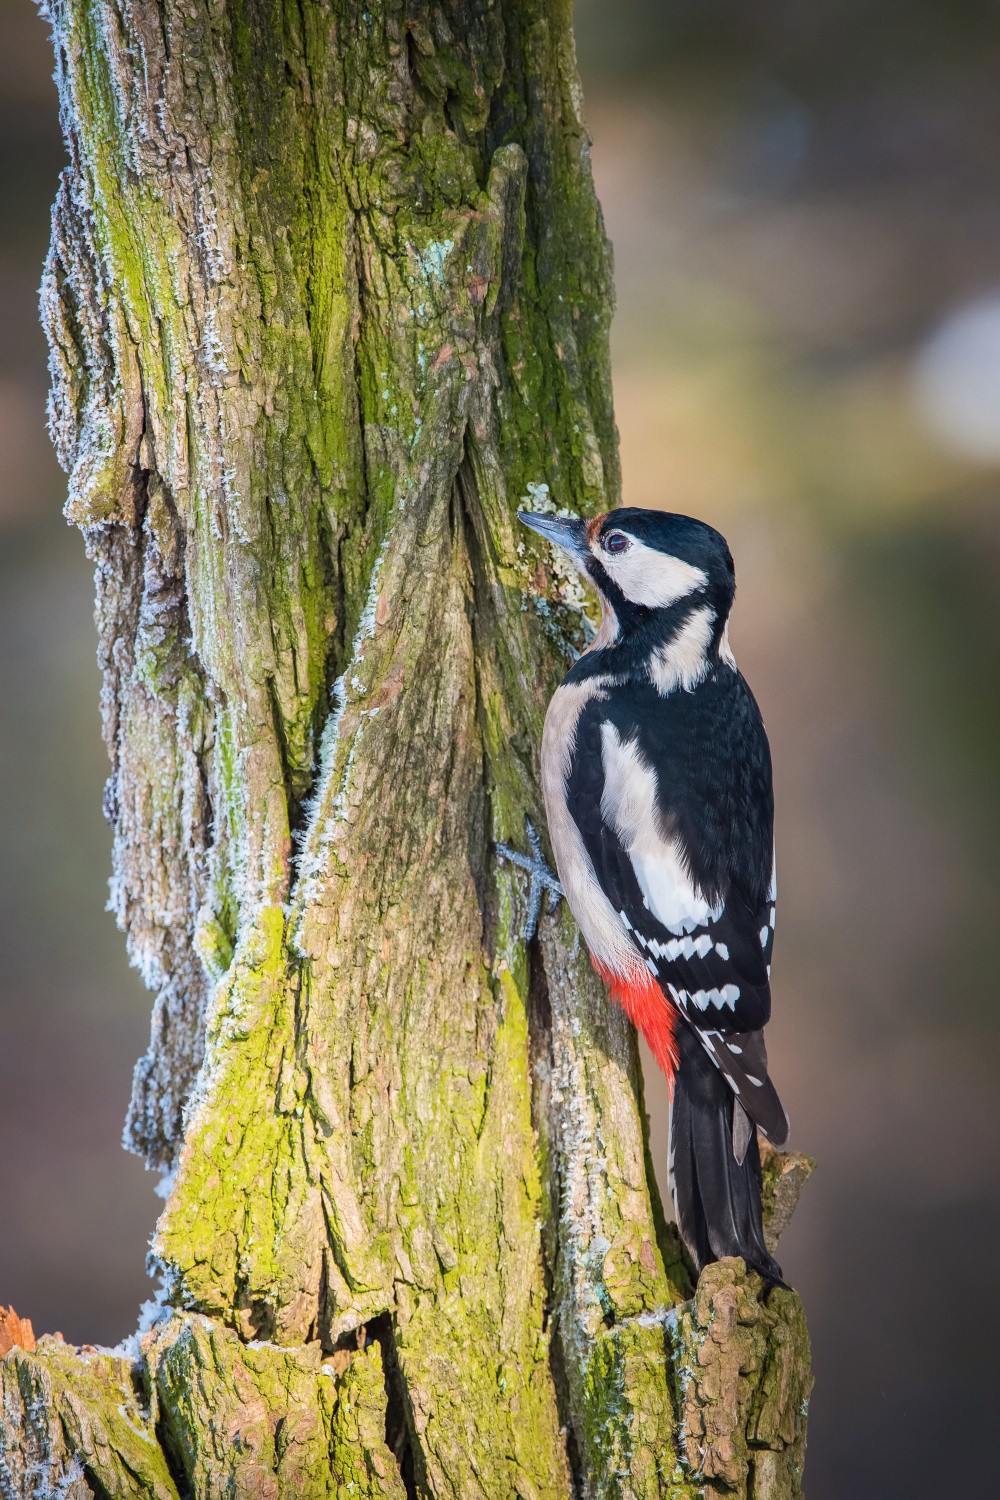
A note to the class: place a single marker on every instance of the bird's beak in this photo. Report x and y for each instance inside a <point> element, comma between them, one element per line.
<point>566,531</point>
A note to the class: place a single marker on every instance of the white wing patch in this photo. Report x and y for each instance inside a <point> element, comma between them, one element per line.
<point>683,662</point>
<point>722,998</point>
<point>675,948</point>
<point>629,806</point>
<point>649,577</point>
<point>727,995</point>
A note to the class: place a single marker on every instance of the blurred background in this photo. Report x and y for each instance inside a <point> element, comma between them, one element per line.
<point>805,207</point>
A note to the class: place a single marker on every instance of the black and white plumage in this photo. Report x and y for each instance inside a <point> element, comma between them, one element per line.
<point>657,781</point>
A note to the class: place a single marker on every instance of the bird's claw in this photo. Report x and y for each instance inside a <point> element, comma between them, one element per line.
<point>542,879</point>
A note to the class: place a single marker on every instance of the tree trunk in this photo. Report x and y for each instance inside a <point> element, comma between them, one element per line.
<point>328,296</point>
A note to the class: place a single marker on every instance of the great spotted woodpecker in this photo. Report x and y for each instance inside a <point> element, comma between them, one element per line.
<point>656,774</point>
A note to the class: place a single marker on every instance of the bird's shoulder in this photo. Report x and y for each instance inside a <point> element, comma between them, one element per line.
<point>704,753</point>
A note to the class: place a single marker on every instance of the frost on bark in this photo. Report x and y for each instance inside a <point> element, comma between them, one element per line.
<point>328,297</point>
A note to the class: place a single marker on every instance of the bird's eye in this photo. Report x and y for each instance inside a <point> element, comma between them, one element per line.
<point>615,541</point>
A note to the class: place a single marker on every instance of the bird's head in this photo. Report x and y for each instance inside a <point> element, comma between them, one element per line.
<point>652,569</point>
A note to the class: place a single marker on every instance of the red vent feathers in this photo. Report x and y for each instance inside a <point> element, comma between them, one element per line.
<point>645,1004</point>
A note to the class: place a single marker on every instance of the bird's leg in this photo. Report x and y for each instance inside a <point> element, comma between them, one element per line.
<point>542,879</point>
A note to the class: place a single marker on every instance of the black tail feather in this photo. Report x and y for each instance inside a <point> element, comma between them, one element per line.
<point>717,1198</point>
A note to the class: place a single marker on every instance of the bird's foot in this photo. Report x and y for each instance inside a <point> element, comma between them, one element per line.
<point>542,879</point>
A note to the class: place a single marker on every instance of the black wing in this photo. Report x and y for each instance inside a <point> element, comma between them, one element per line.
<point>665,789</point>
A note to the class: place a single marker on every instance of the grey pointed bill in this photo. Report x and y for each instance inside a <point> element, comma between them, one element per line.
<point>565,531</point>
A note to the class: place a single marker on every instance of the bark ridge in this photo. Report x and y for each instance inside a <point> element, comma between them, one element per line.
<point>328,297</point>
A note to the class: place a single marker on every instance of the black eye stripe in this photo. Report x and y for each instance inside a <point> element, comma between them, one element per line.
<point>615,541</point>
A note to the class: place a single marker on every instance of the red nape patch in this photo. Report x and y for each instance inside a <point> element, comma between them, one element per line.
<point>645,1004</point>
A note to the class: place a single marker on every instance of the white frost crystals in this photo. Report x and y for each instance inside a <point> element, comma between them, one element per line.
<point>227,1015</point>
<point>324,810</point>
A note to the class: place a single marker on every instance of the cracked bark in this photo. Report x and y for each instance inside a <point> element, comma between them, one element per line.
<point>328,296</point>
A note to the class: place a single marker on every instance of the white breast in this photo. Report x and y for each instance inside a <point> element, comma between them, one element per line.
<point>600,924</point>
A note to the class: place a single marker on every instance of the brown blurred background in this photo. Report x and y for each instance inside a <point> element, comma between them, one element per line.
<point>805,206</point>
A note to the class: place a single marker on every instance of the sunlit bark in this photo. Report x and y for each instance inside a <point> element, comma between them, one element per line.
<point>328,296</point>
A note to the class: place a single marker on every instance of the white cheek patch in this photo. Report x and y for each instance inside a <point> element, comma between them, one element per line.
<point>648,577</point>
<point>629,806</point>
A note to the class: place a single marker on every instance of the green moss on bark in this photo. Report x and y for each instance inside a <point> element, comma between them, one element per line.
<point>73,1424</point>
<point>328,298</point>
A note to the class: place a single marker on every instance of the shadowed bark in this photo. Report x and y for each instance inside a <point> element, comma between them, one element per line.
<point>328,297</point>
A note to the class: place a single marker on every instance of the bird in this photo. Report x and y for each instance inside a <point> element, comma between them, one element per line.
<point>657,784</point>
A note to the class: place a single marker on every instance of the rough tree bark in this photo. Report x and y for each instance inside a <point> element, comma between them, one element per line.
<point>328,295</point>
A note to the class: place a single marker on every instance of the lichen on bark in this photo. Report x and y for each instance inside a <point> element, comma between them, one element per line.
<point>328,297</point>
